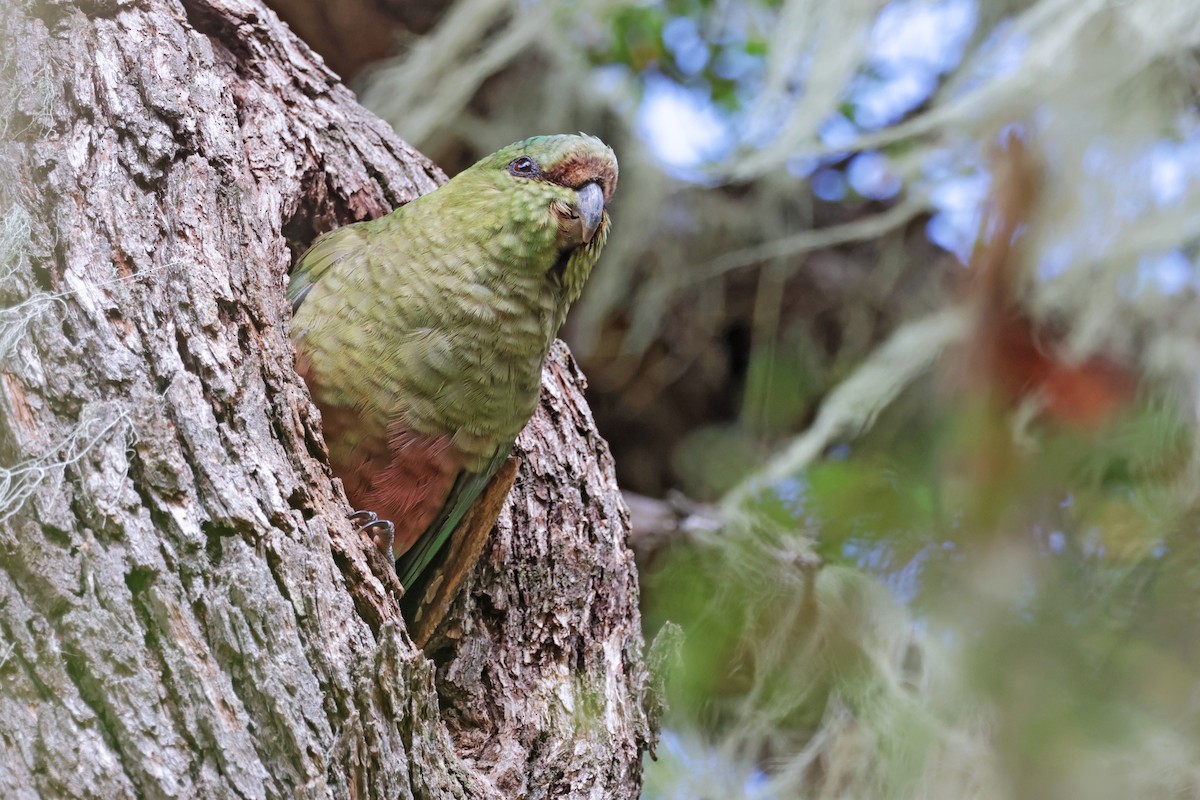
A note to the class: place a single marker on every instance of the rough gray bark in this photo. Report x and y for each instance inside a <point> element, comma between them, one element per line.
<point>184,611</point>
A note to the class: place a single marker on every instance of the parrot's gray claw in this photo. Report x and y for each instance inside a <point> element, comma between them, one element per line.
<point>381,531</point>
<point>383,534</point>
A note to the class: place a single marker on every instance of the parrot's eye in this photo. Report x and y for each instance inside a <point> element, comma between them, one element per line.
<point>523,167</point>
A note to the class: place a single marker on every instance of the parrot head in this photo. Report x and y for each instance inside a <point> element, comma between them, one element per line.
<point>558,187</point>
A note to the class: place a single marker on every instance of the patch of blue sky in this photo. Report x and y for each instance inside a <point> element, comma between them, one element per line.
<point>868,555</point>
<point>682,37</point>
<point>905,583</point>
<point>903,580</point>
<point>1173,168</point>
<point>681,127</point>
<point>733,64</point>
<point>1169,273</point>
<point>1145,179</point>
<point>612,82</point>
<point>1056,541</point>
<point>879,102</point>
<point>1168,168</point>
<point>1158,175</point>
<point>837,131</point>
<point>1054,260</point>
<point>871,175</point>
<point>803,166</point>
<point>763,126</point>
<point>699,770</point>
<point>792,491</point>
<point>838,452</point>
<point>828,185</point>
<point>1000,55</point>
<point>958,204</point>
<point>912,44</point>
<point>922,34</point>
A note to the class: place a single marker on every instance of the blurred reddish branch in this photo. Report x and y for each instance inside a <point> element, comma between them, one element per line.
<point>1008,357</point>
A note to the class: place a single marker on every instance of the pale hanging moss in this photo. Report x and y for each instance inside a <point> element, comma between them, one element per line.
<point>19,481</point>
<point>31,94</point>
<point>433,82</point>
<point>15,320</point>
<point>15,228</point>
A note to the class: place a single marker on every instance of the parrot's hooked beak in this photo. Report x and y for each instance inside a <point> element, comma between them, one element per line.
<point>590,208</point>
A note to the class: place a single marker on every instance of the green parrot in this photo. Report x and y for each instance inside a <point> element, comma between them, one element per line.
<point>422,334</point>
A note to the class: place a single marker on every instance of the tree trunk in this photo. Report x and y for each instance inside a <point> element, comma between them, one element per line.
<point>184,611</point>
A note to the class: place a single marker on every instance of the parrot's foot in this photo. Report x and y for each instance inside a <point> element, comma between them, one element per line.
<point>381,531</point>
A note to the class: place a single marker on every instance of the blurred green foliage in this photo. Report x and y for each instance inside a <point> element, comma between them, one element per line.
<point>1058,594</point>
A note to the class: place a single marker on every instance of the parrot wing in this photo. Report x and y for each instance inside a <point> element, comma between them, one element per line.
<point>467,488</point>
<point>329,249</point>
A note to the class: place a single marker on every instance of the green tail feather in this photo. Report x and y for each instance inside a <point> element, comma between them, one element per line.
<point>467,488</point>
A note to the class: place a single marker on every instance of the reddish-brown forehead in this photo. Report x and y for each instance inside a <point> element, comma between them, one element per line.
<point>574,171</point>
